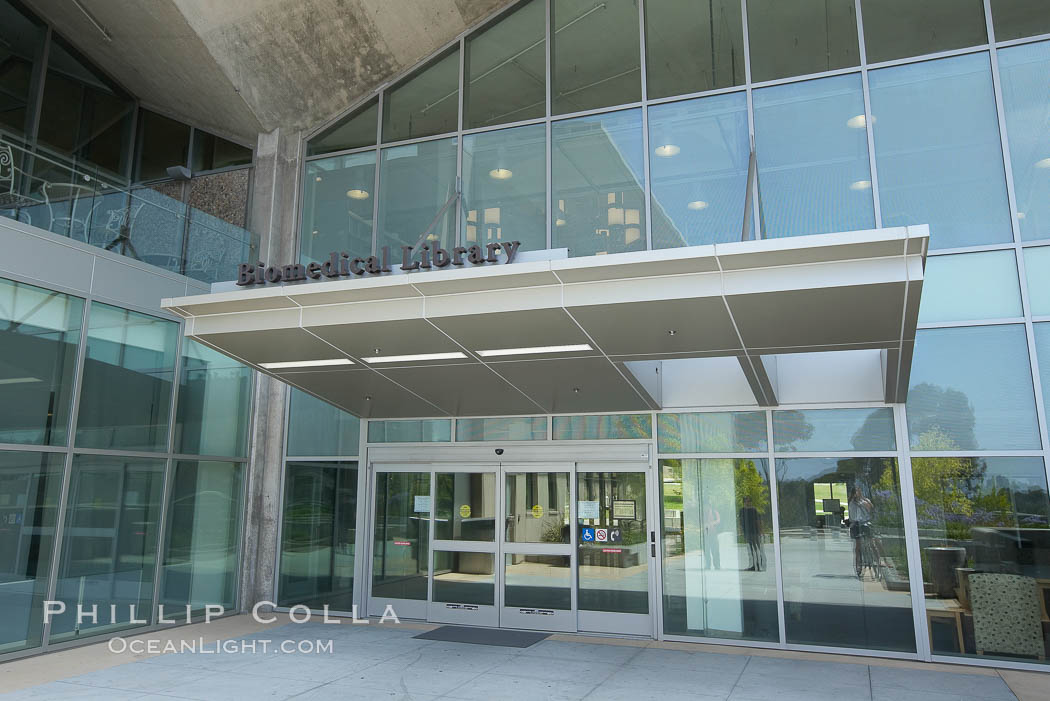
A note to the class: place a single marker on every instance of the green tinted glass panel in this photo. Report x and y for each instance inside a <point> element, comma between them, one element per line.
<point>523,428</point>
<point>595,55</point>
<point>970,286</point>
<point>801,37</point>
<point>338,198</point>
<point>214,403</point>
<point>39,336</point>
<point>353,131</point>
<point>1014,19</point>
<point>318,535</point>
<point>506,69</point>
<point>424,104</point>
<point>400,549</point>
<point>316,427</point>
<point>618,426</point>
<point>1037,266</point>
<point>30,484</point>
<point>728,432</point>
<point>125,396</point>
<point>903,28</point>
<point>692,46</point>
<point>202,556</point>
<point>417,200</point>
<point>410,431</point>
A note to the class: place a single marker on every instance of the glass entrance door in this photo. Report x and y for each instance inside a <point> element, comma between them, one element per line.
<point>616,544</point>
<point>401,541</point>
<point>539,562</point>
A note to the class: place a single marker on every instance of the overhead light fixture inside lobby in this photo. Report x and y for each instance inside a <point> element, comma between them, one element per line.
<point>858,122</point>
<point>501,173</point>
<point>357,194</point>
<point>1043,163</point>
<point>697,205</point>
<point>860,185</point>
<point>533,350</point>
<point>455,355</point>
<point>667,150</point>
<point>307,364</point>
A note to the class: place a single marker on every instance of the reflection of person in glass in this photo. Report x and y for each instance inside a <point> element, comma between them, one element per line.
<point>711,520</point>
<point>751,526</point>
<point>861,513</point>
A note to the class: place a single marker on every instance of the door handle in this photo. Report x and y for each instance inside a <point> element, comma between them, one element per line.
<point>652,543</point>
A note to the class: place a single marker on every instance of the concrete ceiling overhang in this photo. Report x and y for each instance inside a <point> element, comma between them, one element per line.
<point>748,300</point>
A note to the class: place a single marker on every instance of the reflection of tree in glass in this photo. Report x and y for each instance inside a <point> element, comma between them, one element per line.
<point>792,427</point>
<point>941,418</point>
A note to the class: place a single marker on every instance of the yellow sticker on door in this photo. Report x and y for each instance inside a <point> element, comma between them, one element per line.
<point>464,511</point>
<point>537,511</point>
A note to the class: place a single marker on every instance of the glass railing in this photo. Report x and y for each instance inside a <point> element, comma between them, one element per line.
<point>150,223</point>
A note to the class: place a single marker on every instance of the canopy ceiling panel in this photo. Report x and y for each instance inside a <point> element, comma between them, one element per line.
<point>553,335</point>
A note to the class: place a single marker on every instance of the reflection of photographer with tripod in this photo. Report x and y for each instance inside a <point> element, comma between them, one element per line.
<point>861,514</point>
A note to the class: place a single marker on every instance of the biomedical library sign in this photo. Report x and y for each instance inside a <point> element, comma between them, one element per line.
<point>342,265</point>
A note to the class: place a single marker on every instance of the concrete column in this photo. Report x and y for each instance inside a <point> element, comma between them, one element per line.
<point>273,220</point>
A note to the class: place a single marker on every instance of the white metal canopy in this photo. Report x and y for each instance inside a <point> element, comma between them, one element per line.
<point>752,300</point>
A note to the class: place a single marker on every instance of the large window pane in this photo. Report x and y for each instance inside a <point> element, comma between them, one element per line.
<point>902,28</point>
<point>466,506</point>
<point>162,143</point>
<point>611,427</point>
<point>698,158</point>
<point>826,430</point>
<point>464,578</point>
<point>29,489</point>
<point>614,576</point>
<point>801,37</point>
<point>1014,19</point>
<point>971,286</point>
<point>318,535</point>
<point>82,113</point>
<point>410,431</point>
<point>984,534</point>
<point>506,67</point>
<point>400,559</point>
<point>971,388</point>
<point>525,428</point>
<point>417,197</point>
<point>728,432</point>
<point>214,403</point>
<point>505,187</point>
<point>212,152</point>
<point>109,548</point>
<point>599,206</point>
<point>337,206</point>
<point>1026,100</point>
<point>39,336</point>
<point>425,103</point>
<point>938,151</point>
<point>719,578</point>
<point>1037,263</point>
<point>202,552</point>
<point>1042,351</point>
<point>125,396</point>
<point>812,152</point>
<point>692,46</point>
<point>538,581</point>
<point>21,40</point>
<point>355,130</point>
<point>315,427</point>
<point>537,507</point>
<point>843,554</point>
<point>595,55</point>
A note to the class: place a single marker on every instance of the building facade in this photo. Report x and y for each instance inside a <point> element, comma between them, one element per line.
<point>730,324</point>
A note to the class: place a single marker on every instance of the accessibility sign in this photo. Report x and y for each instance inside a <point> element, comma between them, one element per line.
<point>588,535</point>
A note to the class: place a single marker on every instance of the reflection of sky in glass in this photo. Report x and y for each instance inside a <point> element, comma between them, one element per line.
<point>813,157</point>
<point>972,286</point>
<point>1026,93</point>
<point>971,388</point>
<point>938,151</point>
<point>699,151</point>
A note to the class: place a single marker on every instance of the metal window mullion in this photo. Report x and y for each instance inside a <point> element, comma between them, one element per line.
<point>459,233</point>
<point>170,465</point>
<point>868,122</point>
<point>361,521</point>
<point>380,104</point>
<point>67,470</point>
<point>774,507</point>
<point>36,86</point>
<point>548,34</point>
<point>647,179</point>
<point>756,206</point>
<point>911,535</point>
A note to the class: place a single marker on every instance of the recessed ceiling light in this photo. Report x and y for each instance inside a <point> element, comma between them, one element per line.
<point>1020,215</point>
<point>306,363</point>
<point>318,179</point>
<point>501,173</point>
<point>456,355</point>
<point>532,350</point>
<point>667,150</point>
<point>860,185</point>
<point>559,222</point>
<point>858,122</point>
<point>357,194</point>
<point>697,205</point>
<point>1043,163</point>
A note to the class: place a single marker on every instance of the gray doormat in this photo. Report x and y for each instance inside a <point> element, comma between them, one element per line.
<point>484,636</point>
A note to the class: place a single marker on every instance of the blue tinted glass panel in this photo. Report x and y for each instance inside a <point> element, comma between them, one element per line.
<point>523,428</point>
<point>1042,351</point>
<point>698,157</point>
<point>812,152</point>
<point>938,151</point>
<point>834,430</point>
<point>727,432</point>
<point>598,203</point>
<point>1026,100</point>
<point>214,403</point>
<point>410,431</point>
<point>971,389</point>
<point>971,286</point>
<point>1037,272</point>
<point>318,428</point>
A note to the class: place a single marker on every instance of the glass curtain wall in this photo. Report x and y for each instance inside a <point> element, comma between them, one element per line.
<point>154,510</point>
